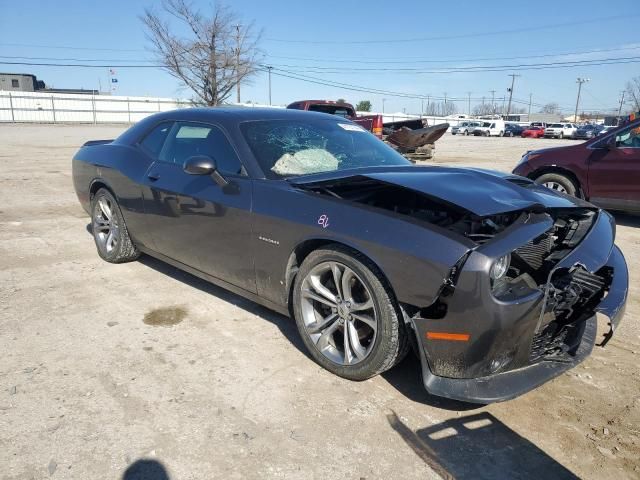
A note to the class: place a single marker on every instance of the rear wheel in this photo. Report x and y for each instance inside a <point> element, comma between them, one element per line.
<point>558,182</point>
<point>109,230</point>
<point>346,315</point>
<point>561,135</point>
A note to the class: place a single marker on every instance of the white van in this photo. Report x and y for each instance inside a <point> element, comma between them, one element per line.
<point>492,128</point>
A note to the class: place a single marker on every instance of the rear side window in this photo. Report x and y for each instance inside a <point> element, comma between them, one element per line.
<point>152,143</point>
<point>190,139</point>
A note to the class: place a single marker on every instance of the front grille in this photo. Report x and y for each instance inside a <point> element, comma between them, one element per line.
<point>572,299</point>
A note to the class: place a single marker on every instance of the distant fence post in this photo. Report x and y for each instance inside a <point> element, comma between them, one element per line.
<point>13,118</point>
<point>53,109</point>
<point>93,108</point>
<point>158,104</point>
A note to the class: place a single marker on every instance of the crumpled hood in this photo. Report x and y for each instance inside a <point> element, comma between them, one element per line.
<point>482,192</point>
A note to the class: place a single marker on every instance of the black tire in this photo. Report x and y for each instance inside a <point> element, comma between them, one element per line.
<point>122,249</point>
<point>501,134</point>
<point>391,343</point>
<point>466,133</point>
<point>570,187</point>
<point>561,136</point>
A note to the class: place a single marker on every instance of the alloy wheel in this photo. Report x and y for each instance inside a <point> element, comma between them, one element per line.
<point>338,312</point>
<point>105,225</point>
<point>555,186</point>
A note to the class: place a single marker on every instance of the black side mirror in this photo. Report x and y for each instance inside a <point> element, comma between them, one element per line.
<point>204,165</point>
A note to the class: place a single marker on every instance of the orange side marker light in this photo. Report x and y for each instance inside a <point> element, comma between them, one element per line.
<point>456,337</point>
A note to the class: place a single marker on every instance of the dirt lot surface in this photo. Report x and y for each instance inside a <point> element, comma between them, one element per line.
<point>107,365</point>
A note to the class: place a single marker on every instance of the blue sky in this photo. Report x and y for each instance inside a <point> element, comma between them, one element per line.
<point>419,35</point>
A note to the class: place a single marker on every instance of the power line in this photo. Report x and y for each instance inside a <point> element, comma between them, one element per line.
<point>520,30</point>
<point>67,47</point>
<point>281,73</point>
<point>66,59</point>
<point>332,70</point>
<point>414,60</point>
<point>470,68</point>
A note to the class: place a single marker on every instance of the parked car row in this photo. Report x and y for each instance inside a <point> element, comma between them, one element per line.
<point>499,128</point>
<point>492,128</point>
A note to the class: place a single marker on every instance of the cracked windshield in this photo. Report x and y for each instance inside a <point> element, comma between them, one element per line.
<point>287,148</point>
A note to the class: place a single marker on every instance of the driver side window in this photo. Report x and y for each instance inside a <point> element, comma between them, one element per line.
<point>628,138</point>
<point>190,139</point>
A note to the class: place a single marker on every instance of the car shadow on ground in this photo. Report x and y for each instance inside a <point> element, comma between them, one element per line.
<point>626,219</point>
<point>478,446</point>
<point>284,324</point>
<point>406,377</point>
<point>146,470</point>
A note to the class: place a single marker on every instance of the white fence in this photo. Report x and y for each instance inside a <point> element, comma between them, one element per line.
<point>39,107</point>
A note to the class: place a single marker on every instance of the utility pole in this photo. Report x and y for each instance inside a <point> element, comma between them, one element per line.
<point>383,100</point>
<point>529,114</point>
<point>469,102</point>
<point>513,80</point>
<point>493,101</point>
<point>579,81</point>
<point>421,107</point>
<point>238,61</point>
<point>269,68</point>
<point>621,102</point>
<point>428,102</point>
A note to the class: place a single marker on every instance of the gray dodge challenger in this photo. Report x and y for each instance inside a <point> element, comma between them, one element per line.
<point>495,282</point>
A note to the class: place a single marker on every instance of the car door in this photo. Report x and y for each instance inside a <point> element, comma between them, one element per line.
<point>192,219</point>
<point>614,172</point>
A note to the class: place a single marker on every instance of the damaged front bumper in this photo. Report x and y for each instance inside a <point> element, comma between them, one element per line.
<point>513,347</point>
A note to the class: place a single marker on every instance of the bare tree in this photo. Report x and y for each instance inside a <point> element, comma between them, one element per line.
<point>550,108</point>
<point>214,56</point>
<point>441,109</point>
<point>633,93</point>
<point>485,109</point>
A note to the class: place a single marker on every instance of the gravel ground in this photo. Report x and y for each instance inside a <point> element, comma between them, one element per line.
<point>112,371</point>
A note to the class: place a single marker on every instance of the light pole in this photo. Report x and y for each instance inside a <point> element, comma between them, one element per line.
<point>238,61</point>
<point>383,100</point>
<point>493,102</point>
<point>579,81</point>
<point>269,68</point>
<point>621,102</point>
<point>529,114</point>
<point>513,80</point>
<point>469,102</point>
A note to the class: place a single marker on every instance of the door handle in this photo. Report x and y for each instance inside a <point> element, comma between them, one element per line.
<point>153,176</point>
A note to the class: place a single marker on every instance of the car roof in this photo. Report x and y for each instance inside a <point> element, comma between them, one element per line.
<point>228,117</point>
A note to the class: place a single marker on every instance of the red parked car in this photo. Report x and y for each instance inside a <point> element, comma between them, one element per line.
<point>604,170</point>
<point>533,132</point>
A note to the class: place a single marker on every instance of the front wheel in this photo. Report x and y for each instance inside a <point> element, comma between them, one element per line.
<point>346,315</point>
<point>109,230</point>
<point>561,135</point>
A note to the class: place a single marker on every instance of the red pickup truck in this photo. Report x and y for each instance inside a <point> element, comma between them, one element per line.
<point>373,123</point>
